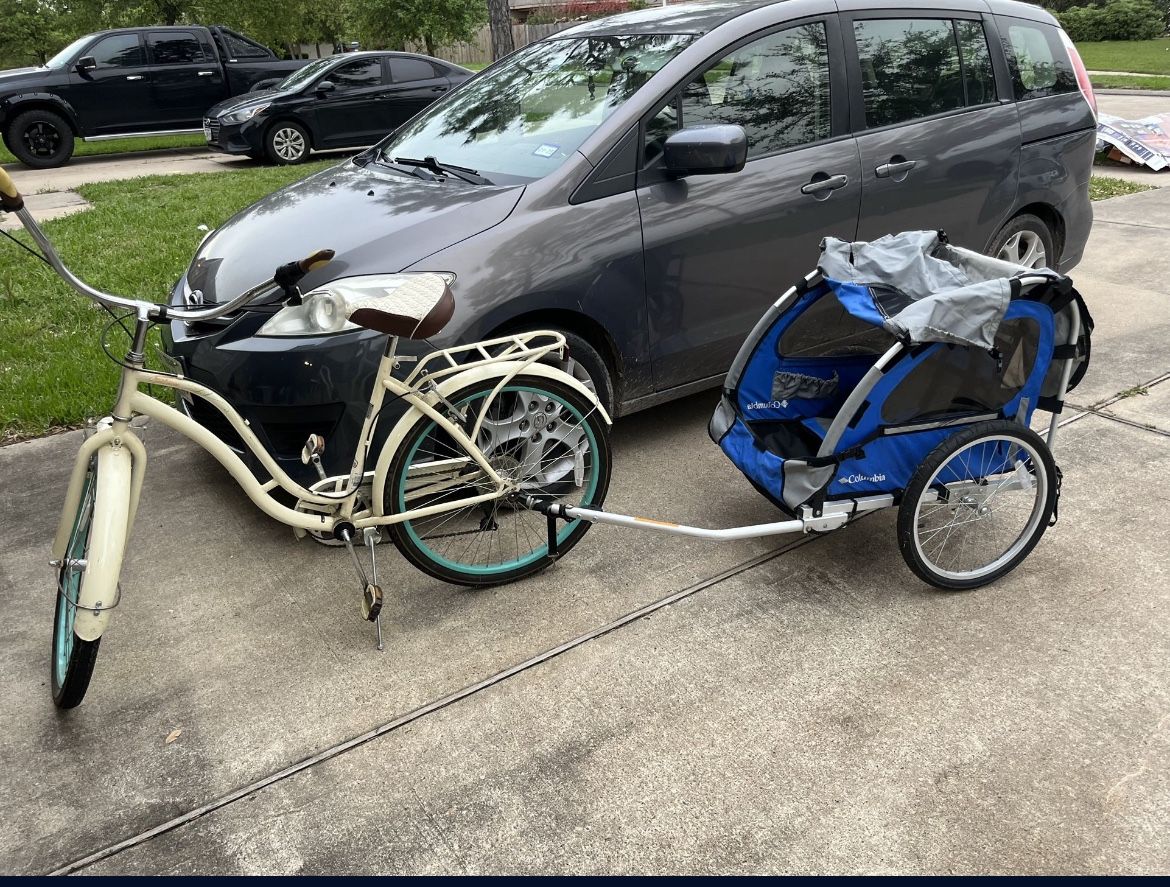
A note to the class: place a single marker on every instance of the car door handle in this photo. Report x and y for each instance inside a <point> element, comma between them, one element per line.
<point>207,73</point>
<point>824,185</point>
<point>134,77</point>
<point>439,88</point>
<point>894,168</point>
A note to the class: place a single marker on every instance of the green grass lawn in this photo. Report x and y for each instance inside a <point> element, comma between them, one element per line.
<point>119,146</point>
<point>1104,187</point>
<point>1138,56</point>
<point>1124,81</point>
<point>136,241</point>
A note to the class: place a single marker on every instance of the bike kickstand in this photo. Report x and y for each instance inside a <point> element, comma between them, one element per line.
<point>371,539</point>
<point>371,591</point>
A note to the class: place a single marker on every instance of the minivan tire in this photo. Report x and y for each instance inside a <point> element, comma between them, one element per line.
<point>1019,239</point>
<point>591,370</point>
<point>40,139</point>
<point>287,143</point>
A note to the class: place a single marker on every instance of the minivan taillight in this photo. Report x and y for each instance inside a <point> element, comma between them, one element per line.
<point>1081,72</point>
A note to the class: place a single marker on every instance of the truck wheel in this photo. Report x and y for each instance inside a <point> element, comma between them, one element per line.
<point>287,143</point>
<point>40,139</point>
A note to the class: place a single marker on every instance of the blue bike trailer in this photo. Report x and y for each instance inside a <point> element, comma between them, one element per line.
<point>863,368</point>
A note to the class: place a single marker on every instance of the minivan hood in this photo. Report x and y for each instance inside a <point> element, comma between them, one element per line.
<point>376,220</point>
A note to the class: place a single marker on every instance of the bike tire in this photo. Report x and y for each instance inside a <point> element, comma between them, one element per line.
<point>583,441</point>
<point>99,539</point>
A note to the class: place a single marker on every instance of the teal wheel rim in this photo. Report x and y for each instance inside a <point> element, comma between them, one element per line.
<point>539,551</point>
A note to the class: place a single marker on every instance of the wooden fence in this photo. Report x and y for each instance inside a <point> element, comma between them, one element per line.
<point>479,50</point>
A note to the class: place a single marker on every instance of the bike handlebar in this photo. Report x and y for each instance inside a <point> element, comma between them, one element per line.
<point>10,198</point>
<point>286,276</point>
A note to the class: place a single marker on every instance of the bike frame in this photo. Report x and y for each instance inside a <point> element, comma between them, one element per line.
<point>425,391</point>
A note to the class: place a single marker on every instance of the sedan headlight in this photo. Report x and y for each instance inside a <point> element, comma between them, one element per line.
<point>325,310</point>
<point>243,114</point>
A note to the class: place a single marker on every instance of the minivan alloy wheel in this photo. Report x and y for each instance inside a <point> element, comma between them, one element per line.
<point>1024,248</point>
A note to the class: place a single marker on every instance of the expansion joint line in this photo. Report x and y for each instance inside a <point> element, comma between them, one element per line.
<point>424,710</point>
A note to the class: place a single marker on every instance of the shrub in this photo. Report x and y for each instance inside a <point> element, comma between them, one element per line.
<point>1116,20</point>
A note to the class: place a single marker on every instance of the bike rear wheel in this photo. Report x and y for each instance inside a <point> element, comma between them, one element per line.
<point>539,433</point>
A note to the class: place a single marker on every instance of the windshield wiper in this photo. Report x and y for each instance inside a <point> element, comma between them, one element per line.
<point>471,176</point>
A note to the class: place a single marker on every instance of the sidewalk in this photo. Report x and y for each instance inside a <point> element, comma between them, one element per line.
<point>805,709</point>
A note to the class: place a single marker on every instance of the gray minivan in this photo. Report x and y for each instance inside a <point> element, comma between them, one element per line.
<point>583,183</point>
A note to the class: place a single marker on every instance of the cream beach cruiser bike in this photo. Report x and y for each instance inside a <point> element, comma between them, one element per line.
<point>489,429</point>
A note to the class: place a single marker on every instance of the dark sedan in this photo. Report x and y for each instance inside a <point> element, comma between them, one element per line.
<point>341,102</point>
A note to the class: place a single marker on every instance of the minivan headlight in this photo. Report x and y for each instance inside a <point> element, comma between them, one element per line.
<point>244,114</point>
<point>325,310</point>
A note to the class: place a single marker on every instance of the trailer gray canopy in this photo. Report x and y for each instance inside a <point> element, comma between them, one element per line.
<point>920,288</point>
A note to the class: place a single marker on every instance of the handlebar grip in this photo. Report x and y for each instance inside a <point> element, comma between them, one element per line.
<point>319,259</point>
<point>288,276</point>
<point>10,198</point>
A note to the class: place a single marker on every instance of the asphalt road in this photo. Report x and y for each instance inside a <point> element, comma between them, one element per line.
<point>648,705</point>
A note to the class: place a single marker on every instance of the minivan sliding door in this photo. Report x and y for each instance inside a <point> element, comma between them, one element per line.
<point>719,249</point>
<point>938,148</point>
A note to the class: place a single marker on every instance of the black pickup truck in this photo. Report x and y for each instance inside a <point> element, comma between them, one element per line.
<point>128,82</point>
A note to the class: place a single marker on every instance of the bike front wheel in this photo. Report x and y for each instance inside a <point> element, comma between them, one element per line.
<point>88,571</point>
<point>538,433</point>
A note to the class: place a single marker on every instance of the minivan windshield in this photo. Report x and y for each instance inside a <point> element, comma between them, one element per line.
<point>304,75</point>
<point>520,120</point>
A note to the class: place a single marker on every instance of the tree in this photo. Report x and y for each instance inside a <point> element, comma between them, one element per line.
<point>423,21</point>
<point>33,30</point>
<point>500,17</point>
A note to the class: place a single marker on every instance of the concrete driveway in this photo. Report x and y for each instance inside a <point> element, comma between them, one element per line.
<point>648,705</point>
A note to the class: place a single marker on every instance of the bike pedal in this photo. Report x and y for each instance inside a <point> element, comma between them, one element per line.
<point>371,602</point>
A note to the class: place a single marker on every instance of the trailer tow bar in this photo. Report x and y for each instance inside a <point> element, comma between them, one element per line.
<point>551,509</point>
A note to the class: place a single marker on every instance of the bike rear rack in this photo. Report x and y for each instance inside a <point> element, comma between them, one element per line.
<point>529,346</point>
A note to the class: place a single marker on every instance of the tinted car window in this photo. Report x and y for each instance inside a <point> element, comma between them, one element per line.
<point>119,51</point>
<point>909,68</point>
<point>979,78</point>
<point>405,70</point>
<point>1038,62</point>
<point>175,48</point>
<point>240,48</point>
<point>301,76</point>
<point>776,88</point>
<point>367,72</point>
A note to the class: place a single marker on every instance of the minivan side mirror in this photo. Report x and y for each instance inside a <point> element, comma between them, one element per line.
<point>85,63</point>
<point>705,150</point>
<point>325,86</point>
